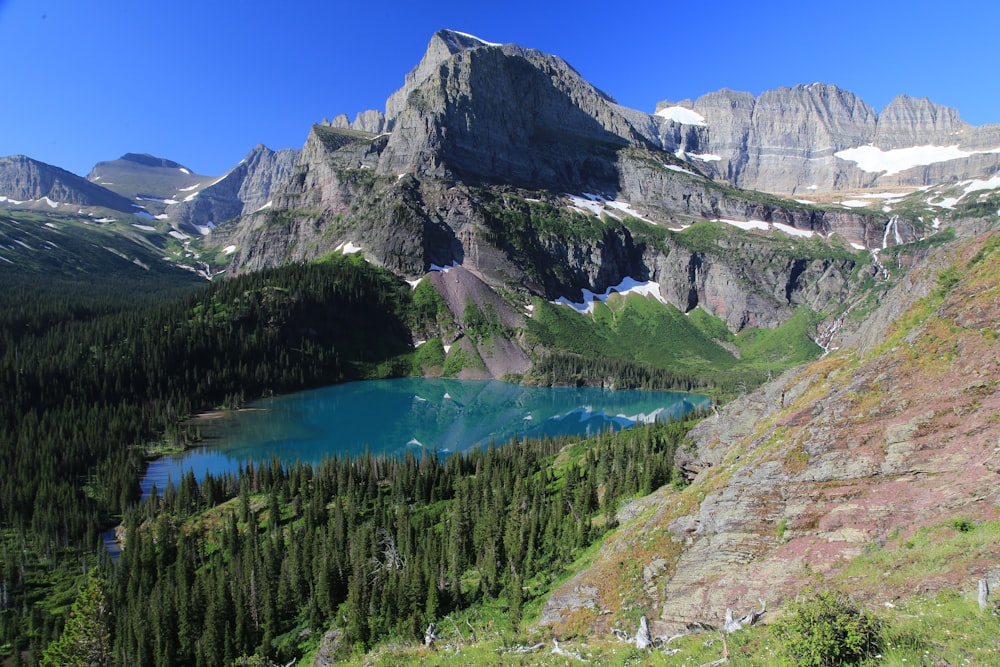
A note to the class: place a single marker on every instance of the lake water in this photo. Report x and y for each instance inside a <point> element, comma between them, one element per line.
<point>391,416</point>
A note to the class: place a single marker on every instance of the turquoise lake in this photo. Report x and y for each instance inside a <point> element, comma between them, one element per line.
<point>391,416</point>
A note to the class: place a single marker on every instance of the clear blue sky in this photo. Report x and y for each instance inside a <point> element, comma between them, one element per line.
<point>203,82</point>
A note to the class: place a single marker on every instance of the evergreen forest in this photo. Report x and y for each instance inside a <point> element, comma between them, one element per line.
<point>97,378</point>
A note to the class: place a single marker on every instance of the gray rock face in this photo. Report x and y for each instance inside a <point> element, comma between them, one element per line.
<point>908,121</point>
<point>24,179</point>
<point>443,45</point>
<point>244,189</point>
<point>510,115</point>
<point>785,140</point>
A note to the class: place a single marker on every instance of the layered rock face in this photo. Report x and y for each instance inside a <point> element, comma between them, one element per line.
<point>787,140</point>
<point>23,179</point>
<point>246,188</point>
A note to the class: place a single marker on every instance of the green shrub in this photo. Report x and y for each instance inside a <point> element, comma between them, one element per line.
<point>826,629</point>
<point>963,525</point>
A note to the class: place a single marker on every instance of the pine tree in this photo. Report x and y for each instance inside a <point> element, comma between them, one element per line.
<point>85,639</point>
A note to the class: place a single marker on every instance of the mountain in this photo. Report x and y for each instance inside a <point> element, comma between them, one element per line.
<point>819,138</point>
<point>144,177</point>
<point>194,203</point>
<point>55,247</point>
<point>27,183</point>
<point>505,161</point>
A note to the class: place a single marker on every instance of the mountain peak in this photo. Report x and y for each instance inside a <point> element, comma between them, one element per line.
<point>148,160</point>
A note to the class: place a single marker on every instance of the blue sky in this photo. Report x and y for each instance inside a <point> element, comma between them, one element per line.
<point>203,82</point>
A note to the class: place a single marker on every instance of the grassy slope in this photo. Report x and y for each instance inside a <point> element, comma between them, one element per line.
<point>642,330</point>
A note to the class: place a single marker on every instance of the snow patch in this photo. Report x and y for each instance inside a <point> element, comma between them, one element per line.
<point>23,244</point>
<point>189,188</point>
<point>857,246</point>
<point>205,229</point>
<point>265,206</point>
<point>443,269</point>
<point>158,200</point>
<point>674,167</point>
<point>598,205</point>
<point>705,157</point>
<point>888,196</point>
<point>10,201</point>
<point>746,225</point>
<point>348,248</point>
<point>626,287</point>
<point>53,204</point>
<point>872,159</point>
<point>191,196</point>
<point>145,228</point>
<point>106,220</point>
<point>183,171</point>
<point>853,203</point>
<point>229,250</point>
<point>977,185</point>
<point>793,231</point>
<point>945,202</point>
<point>805,201</point>
<point>180,236</point>
<point>682,115</point>
<point>478,39</point>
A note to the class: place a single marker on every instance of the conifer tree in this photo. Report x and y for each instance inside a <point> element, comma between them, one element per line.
<point>85,640</point>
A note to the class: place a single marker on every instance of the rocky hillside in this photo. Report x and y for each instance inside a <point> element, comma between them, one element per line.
<point>820,138</point>
<point>893,433</point>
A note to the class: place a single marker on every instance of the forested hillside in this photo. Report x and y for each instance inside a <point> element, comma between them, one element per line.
<point>265,563</point>
<point>95,380</point>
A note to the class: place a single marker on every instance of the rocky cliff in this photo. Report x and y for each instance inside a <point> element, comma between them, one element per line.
<point>245,188</point>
